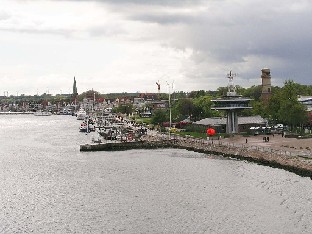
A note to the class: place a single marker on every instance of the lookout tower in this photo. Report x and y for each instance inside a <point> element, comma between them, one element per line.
<point>231,103</point>
<point>266,84</point>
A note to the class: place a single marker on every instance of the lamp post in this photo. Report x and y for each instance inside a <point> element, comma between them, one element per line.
<point>169,107</point>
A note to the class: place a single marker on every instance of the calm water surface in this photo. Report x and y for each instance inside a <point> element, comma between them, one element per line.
<point>48,186</point>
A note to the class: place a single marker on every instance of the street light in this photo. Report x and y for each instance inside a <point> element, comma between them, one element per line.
<point>169,88</point>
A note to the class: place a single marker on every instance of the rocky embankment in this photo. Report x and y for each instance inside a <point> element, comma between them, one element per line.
<point>297,164</point>
<point>273,158</point>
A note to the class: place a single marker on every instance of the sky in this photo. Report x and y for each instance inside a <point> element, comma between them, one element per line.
<point>128,45</point>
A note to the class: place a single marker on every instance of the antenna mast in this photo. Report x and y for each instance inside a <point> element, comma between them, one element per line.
<point>231,86</point>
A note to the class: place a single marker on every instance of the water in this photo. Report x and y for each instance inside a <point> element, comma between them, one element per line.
<point>48,186</point>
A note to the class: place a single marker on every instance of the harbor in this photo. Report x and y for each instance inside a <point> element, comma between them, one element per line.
<point>121,130</point>
<point>155,117</point>
<point>50,186</point>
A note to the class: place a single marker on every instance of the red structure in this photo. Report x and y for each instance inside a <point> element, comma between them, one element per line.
<point>211,131</point>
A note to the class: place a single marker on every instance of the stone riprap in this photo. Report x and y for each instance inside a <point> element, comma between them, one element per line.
<point>274,158</point>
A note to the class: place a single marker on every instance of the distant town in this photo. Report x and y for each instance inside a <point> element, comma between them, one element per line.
<point>289,105</point>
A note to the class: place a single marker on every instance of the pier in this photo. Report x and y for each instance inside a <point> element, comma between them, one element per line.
<point>118,146</point>
<point>16,113</point>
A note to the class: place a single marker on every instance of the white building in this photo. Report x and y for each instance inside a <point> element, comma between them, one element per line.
<point>307,101</point>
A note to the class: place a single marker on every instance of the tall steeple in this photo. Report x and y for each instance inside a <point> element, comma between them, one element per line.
<point>75,92</point>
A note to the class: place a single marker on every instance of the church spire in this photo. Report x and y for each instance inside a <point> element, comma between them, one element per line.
<point>75,92</point>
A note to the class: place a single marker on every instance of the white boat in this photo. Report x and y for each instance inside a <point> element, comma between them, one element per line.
<point>81,114</point>
<point>83,127</point>
<point>42,113</point>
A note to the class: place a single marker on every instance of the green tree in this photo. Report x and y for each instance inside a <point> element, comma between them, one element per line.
<point>197,94</point>
<point>159,116</point>
<point>203,108</point>
<point>290,111</point>
<point>253,92</point>
<point>125,108</point>
<point>89,94</point>
<point>274,105</point>
<point>258,108</point>
<point>183,108</point>
<point>221,91</point>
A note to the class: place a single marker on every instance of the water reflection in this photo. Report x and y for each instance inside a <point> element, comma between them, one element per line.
<point>48,186</point>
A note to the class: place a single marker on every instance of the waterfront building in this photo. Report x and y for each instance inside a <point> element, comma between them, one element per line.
<point>231,103</point>
<point>87,104</point>
<point>244,123</point>
<point>307,102</point>
<point>159,105</point>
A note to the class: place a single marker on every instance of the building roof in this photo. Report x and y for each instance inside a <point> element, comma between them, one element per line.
<point>211,121</point>
<point>257,119</point>
<point>307,101</point>
<point>304,98</point>
<point>241,120</point>
<point>232,99</point>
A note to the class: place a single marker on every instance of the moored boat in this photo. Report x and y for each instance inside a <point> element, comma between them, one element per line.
<point>81,114</point>
<point>42,113</point>
<point>83,127</point>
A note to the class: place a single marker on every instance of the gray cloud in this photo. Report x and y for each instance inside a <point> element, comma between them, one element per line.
<point>279,38</point>
<point>243,36</point>
<point>146,2</point>
<point>166,18</point>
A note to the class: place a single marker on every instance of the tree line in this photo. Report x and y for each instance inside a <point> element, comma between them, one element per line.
<point>282,107</point>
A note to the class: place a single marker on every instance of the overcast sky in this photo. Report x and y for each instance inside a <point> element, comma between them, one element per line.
<point>129,45</point>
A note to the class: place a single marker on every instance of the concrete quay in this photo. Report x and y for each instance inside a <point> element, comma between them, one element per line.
<point>16,113</point>
<point>119,146</point>
<point>264,156</point>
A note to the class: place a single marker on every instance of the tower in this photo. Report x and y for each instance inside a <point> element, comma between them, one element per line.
<point>266,84</point>
<point>75,92</point>
<point>232,103</point>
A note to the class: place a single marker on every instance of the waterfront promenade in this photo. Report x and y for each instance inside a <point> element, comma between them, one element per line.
<point>287,153</point>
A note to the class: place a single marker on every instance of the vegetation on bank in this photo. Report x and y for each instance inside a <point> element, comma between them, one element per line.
<point>283,106</point>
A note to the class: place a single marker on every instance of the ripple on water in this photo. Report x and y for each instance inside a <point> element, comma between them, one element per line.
<point>48,186</point>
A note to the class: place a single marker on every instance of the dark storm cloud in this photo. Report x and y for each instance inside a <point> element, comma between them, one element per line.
<point>240,35</point>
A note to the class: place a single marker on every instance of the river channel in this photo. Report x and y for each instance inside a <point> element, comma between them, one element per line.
<point>48,186</point>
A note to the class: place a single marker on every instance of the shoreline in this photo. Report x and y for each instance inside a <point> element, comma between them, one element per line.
<point>267,156</point>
